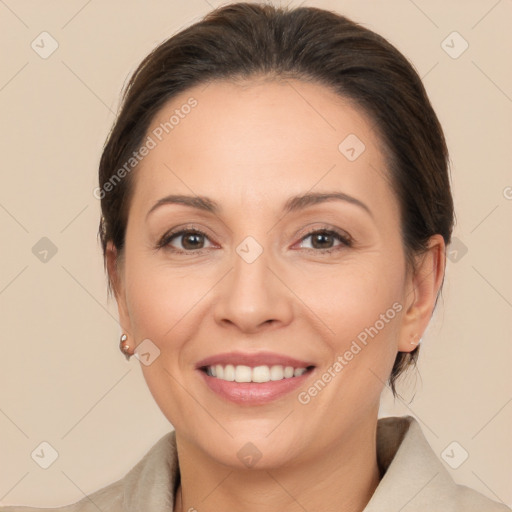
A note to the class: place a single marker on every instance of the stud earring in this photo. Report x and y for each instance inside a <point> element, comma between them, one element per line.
<point>416,340</point>
<point>125,347</point>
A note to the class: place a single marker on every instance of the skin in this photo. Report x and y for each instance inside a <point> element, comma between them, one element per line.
<point>250,147</point>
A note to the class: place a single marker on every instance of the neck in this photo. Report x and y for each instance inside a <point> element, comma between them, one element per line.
<point>343,477</point>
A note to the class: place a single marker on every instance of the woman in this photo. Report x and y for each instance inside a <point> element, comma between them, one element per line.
<point>276,207</point>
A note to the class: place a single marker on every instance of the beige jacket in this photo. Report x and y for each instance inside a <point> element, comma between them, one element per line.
<point>415,480</point>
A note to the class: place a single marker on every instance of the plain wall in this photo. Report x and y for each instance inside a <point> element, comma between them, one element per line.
<point>62,377</point>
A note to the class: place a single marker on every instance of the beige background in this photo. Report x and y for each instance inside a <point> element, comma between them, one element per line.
<point>62,377</point>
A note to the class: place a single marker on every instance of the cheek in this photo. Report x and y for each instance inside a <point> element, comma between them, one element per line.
<point>361,305</point>
<point>148,307</point>
<point>352,296</point>
<point>161,309</point>
<point>159,298</point>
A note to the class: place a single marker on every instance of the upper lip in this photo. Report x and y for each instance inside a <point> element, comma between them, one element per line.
<point>252,360</point>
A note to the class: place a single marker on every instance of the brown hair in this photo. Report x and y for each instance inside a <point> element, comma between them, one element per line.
<point>246,40</point>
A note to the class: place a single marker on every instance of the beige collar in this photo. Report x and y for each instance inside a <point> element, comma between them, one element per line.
<point>414,478</point>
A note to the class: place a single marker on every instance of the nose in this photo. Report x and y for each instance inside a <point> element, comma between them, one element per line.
<point>254,296</point>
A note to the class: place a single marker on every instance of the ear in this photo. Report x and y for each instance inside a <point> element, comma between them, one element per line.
<point>115,272</point>
<point>424,284</point>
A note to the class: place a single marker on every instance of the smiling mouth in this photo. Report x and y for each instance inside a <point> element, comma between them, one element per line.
<point>257,374</point>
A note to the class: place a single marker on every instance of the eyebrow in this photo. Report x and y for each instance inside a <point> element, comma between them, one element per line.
<point>292,204</point>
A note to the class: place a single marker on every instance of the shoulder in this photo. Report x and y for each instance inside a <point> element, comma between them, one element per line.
<point>467,499</point>
<point>414,477</point>
<point>146,486</point>
<point>107,499</point>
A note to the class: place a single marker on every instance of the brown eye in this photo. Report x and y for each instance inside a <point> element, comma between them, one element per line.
<point>322,240</point>
<point>187,240</point>
<point>325,240</point>
<point>192,241</point>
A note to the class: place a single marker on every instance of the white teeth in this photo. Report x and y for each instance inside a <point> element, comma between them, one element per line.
<point>277,372</point>
<point>288,372</point>
<point>261,374</point>
<point>242,373</point>
<point>229,372</point>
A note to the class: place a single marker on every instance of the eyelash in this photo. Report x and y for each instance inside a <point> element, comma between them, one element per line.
<point>346,241</point>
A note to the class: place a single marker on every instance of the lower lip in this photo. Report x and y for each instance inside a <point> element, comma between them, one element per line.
<point>254,393</point>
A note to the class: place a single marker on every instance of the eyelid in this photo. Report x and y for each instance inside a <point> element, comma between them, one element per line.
<point>164,240</point>
<point>323,227</point>
<point>342,236</point>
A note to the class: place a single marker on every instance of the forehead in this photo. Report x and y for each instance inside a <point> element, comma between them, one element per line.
<point>262,141</point>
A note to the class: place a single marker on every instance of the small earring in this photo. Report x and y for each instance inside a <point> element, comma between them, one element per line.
<point>124,347</point>
<point>416,340</point>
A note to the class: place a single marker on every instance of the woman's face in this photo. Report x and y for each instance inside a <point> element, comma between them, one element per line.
<point>254,276</point>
